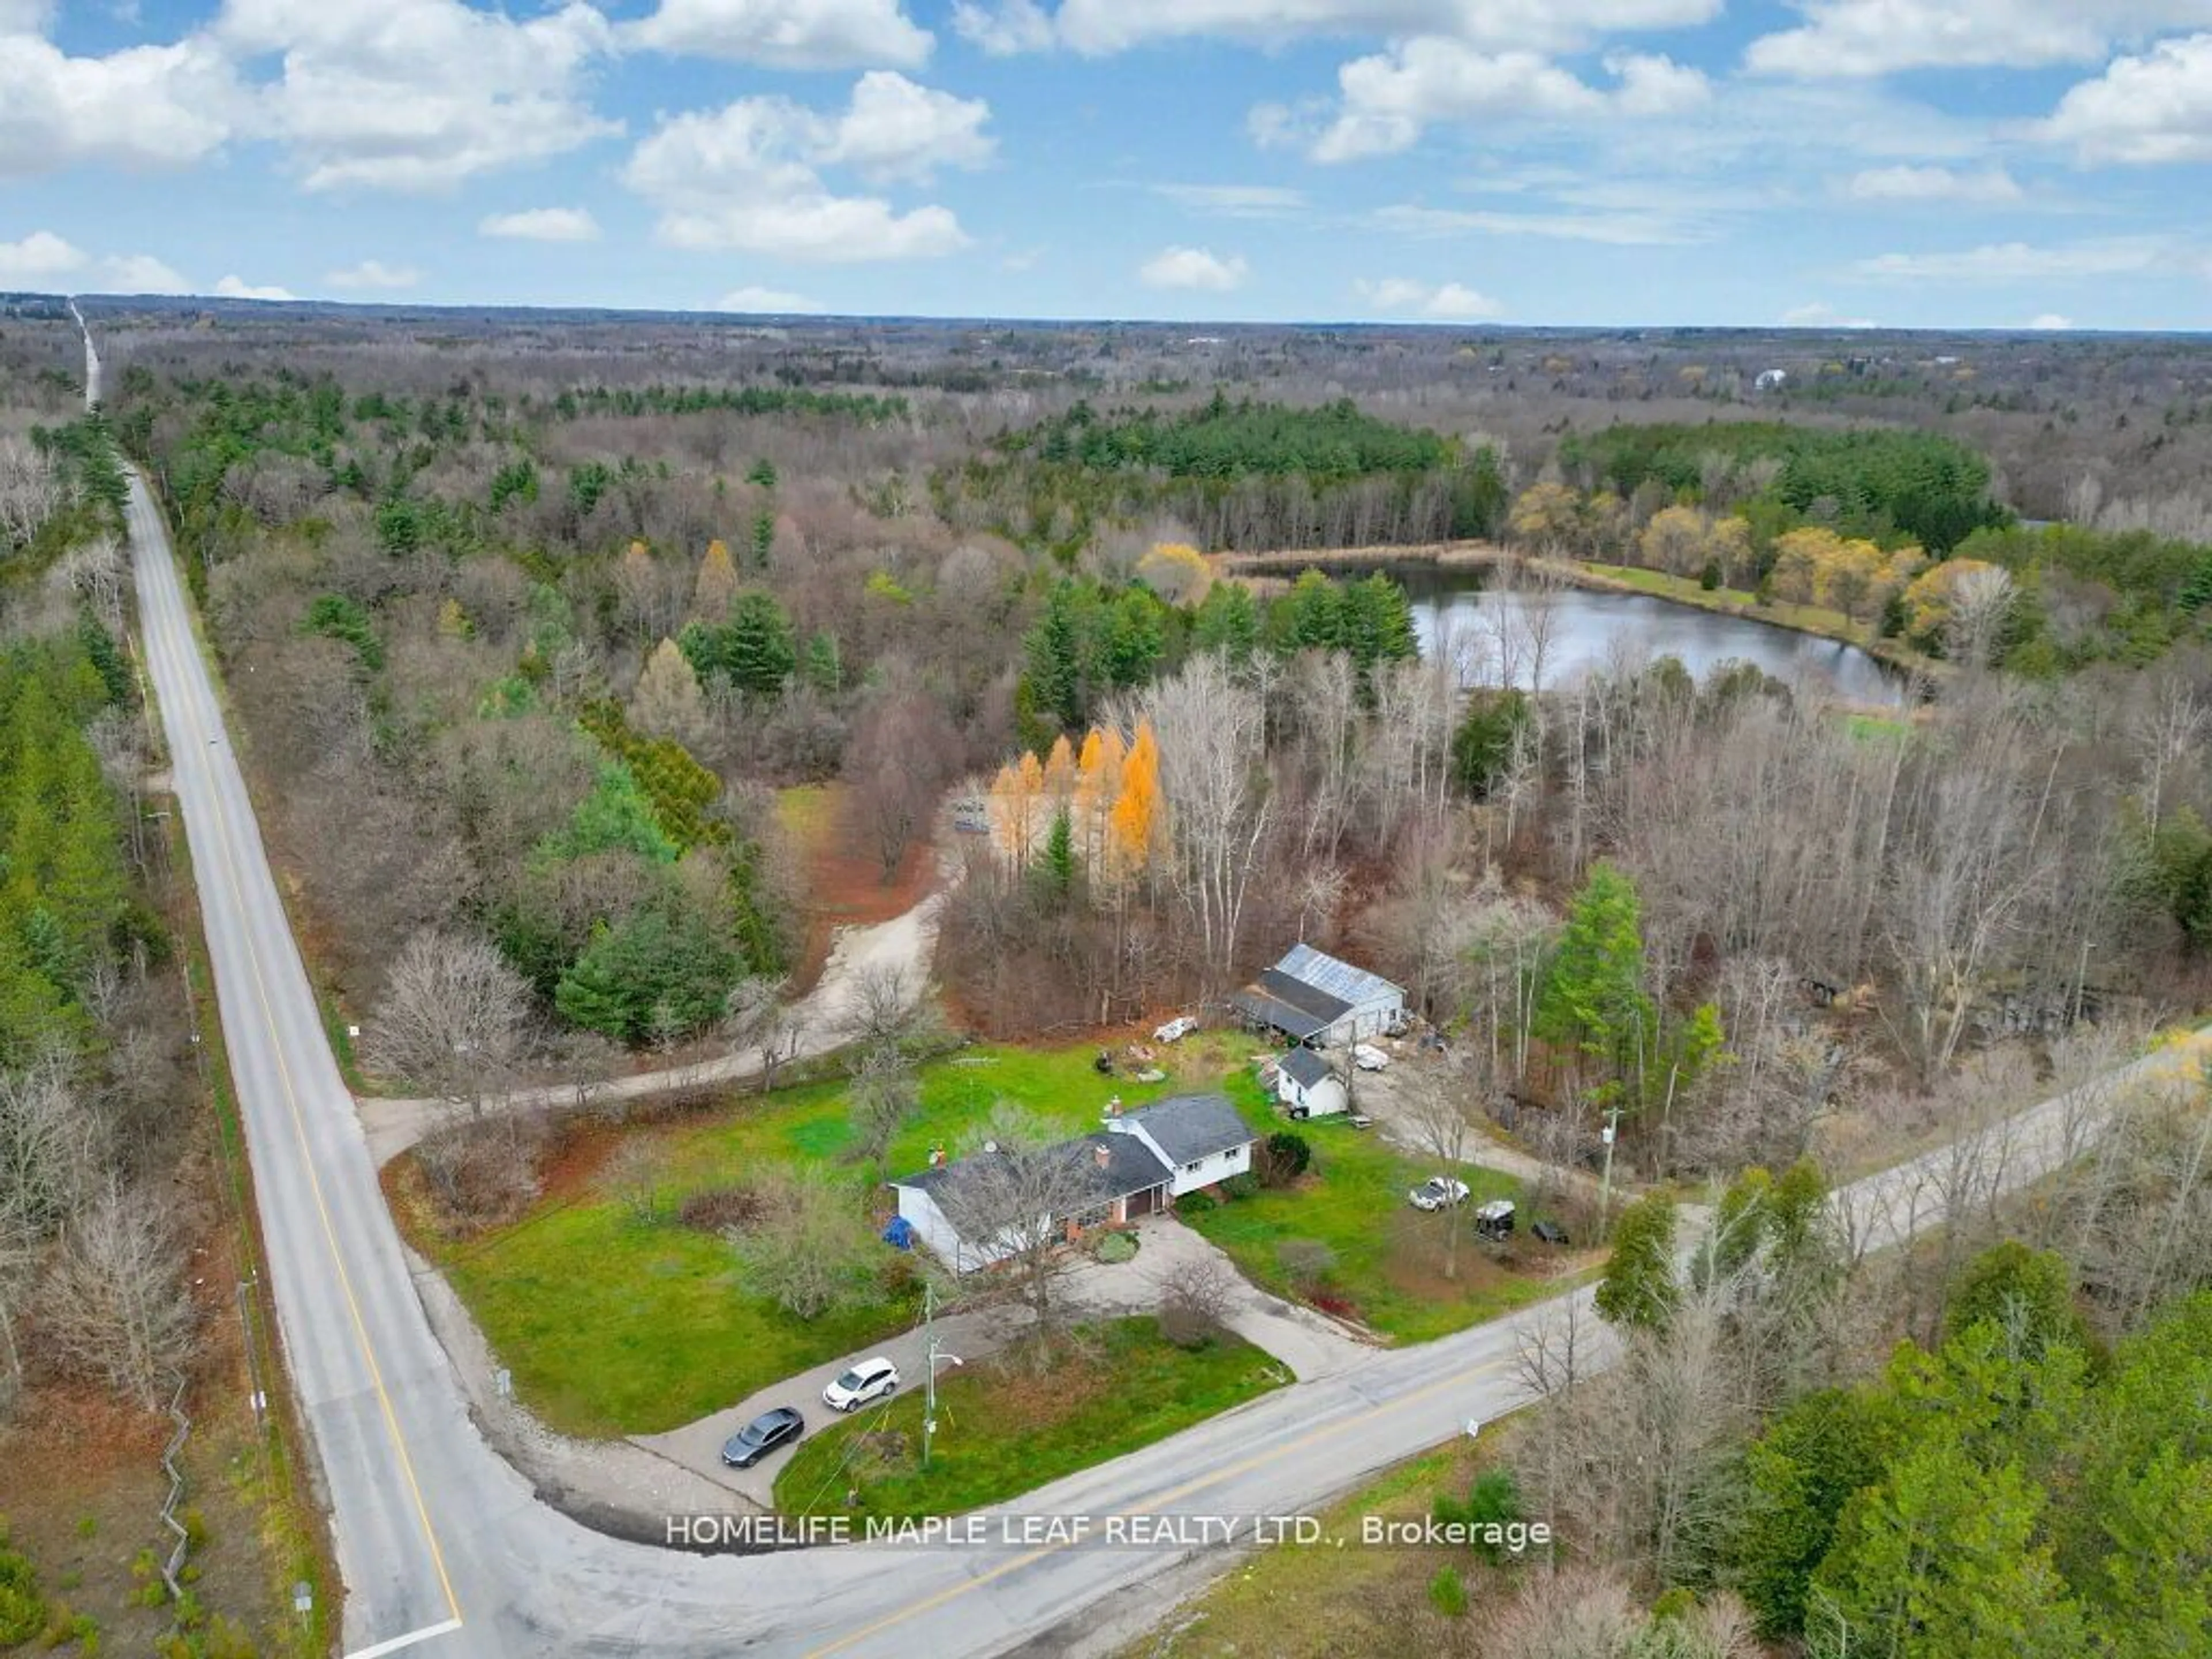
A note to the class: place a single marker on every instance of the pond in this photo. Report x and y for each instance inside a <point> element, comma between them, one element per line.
<point>1496,634</point>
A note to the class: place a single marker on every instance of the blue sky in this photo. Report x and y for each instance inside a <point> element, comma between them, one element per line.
<point>1998,163</point>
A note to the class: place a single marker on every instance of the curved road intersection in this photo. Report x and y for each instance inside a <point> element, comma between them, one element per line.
<point>443,1546</point>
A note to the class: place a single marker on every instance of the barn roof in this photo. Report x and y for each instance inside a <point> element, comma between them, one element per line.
<point>1305,1066</point>
<point>1291,1005</point>
<point>1350,984</point>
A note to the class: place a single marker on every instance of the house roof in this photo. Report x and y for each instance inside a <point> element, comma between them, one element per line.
<point>1189,1128</point>
<point>1340,978</point>
<point>1305,1066</point>
<point>1131,1166</point>
<point>1291,1005</point>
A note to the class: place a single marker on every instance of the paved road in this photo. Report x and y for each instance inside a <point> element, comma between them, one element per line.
<point>441,1544</point>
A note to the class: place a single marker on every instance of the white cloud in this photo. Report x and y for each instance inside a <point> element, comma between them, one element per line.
<point>1628,227</point>
<point>1931,184</point>
<point>1652,84</point>
<point>2155,108</point>
<point>139,273</point>
<point>1819,313</point>
<point>375,273</point>
<point>2017,262</point>
<point>26,16</point>
<point>237,287</point>
<point>794,34</point>
<point>419,95</point>
<point>145,107</point>
<point>1196,269</point>
<point>747,176</point>
<point>1387,99</point>
<point>542,225</point>
<point>771,299</point>
<point>1099,26</point>
<point>1879,37</point>
<point>37,257</point>
<point>896,129</point>
<point>2049,322</point>
<point>1448,300</point>
<point>1236,201</point>
<point>1010,26</point>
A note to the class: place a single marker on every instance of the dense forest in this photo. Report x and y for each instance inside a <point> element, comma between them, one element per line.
<point>1245,476</point>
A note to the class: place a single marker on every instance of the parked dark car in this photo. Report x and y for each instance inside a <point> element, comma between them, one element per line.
<point>778,1427</point>
<point>1550,1232</point>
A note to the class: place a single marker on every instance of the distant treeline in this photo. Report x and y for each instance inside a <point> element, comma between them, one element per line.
<point>867,407</point>
<point>1243,475</point>
<point>1880,484</point>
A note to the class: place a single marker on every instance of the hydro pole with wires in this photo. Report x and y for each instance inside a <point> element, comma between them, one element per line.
<point>931,1355</point>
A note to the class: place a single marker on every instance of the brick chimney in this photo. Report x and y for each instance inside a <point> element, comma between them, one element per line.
<point>1103,1154</point>
<point>936,1157</point>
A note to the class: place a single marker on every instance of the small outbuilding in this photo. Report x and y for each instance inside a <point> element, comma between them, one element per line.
<point>1307,1084</point>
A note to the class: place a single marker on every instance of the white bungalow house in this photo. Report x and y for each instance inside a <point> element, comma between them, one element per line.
<point>1312,996</point>
<point>1306,1084</point>
<point>1142,1161</point>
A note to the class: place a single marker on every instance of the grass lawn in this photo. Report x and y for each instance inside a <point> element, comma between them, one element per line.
<point>1003,1430</point>
<point>614,1325</point>
<point>1388,1256</point>
<point>1683,590</point>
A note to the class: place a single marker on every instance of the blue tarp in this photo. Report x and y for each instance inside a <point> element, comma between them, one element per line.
<point>900,1234</point>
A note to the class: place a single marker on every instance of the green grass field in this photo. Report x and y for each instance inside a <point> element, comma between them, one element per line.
<point>1003,1430</point>
<point>1683,590</point>
<point>1389,1254</point>
<point>611,1325</point>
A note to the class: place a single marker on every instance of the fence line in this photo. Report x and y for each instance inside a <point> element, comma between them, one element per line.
<point>176,1561</point>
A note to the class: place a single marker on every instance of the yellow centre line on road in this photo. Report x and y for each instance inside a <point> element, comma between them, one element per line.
<point>201,742</point>
<point>930,1603</point>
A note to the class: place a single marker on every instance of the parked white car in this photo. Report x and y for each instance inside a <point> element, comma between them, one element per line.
<point>1437,1192</point>
<point>1175,1030</point>
<point>1368,1058</point>
<point>871,1379</point>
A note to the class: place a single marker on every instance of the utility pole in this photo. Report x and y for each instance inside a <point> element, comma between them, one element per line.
<point>1610,1134</point>
<point>930,1357</point>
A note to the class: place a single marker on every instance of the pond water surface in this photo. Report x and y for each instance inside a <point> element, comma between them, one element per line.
<point>1493,633</point>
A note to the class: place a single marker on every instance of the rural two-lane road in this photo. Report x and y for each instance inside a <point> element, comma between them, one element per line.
<point>443,1548</point>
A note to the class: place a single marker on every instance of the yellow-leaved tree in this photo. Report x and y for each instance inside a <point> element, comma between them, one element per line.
<point>1016,808</point>
<point>1675,541</point>
<point>1176,571</point>
<point>1060,773</point>
<point>717,585</point>
<point>1549,515</point>
<point>1098,785</point>
<point>1136,829</point>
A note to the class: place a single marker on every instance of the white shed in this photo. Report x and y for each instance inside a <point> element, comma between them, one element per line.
<point>1305,1083</point>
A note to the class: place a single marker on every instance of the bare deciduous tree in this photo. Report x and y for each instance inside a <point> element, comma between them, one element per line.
<point>885,1093</point>
<point>759,1021</point>
<point>888,1005</point>
<point>1212,729</point>
<point>454,1019</point>
<point>1013,1198</point>
<point>118,1306</point>
<point>808,1248</point>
